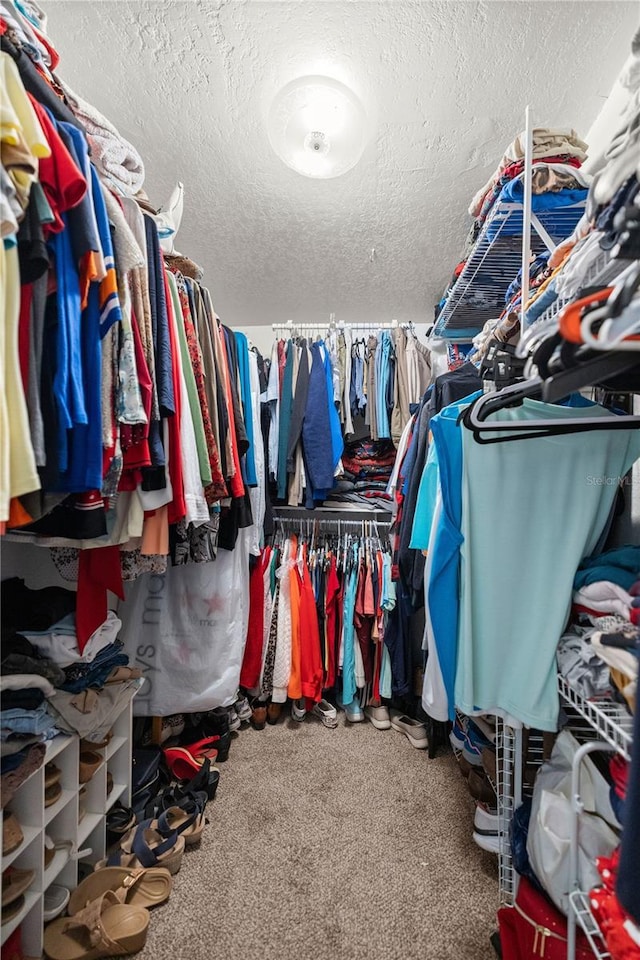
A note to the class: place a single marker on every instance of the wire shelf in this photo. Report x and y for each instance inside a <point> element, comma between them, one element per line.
<point>610,720</point>
<point>505,770</point>
<point>478,294</point>
<point>602,272</point>
<point>580,905</point>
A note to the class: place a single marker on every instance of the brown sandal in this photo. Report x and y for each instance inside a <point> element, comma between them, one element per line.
<point>105,928</point>
<point>137,886</point>
<point>89,763</point>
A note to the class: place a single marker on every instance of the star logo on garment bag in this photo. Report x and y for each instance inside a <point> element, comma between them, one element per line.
<point>214,604</point>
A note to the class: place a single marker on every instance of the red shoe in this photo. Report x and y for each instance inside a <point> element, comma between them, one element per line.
<point>182,764</point>
<point>208,747</point>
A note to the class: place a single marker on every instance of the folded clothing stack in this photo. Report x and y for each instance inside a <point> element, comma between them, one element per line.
<point>609,584</point>
<point>47,678</point>
<point>368,465</point>
<point>100,657</point>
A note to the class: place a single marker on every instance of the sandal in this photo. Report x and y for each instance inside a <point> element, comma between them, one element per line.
<point>137,886</point>
<point>208,747</point>
<point>207,780</point>
<point>185,818</point>
<point>182,764</point>
<point>120,820</point>
<point>89,763</point>
<point>105,928</point>
<point>146,847</point>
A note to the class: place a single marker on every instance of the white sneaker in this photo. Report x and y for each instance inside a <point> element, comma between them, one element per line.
<point>234,720</point>
<point>414,731</point>
<point>353,711</point>
<point>327,713</point>
<point>487,842</point>
<point>485,820</point>
<point>298,712</point>
<point>379,717</point>
<point>243,710</point>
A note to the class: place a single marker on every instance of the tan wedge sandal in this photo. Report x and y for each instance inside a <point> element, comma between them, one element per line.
<point>137,886</point>
<point>145,847</point>
<point>187,820</point>
<point>105,928</point>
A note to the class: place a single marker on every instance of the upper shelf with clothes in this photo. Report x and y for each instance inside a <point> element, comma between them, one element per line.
<point>480,291</point>
<point>493,249</point>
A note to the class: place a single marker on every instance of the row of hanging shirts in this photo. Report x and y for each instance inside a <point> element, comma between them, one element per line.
<point>319,604</point>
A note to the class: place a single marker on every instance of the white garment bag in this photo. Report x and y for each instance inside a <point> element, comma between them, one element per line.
<point>186,629</point>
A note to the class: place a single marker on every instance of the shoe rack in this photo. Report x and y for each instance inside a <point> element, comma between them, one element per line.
<point>76,822</point>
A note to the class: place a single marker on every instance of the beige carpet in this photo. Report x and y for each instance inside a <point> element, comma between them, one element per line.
<point>343,844</point>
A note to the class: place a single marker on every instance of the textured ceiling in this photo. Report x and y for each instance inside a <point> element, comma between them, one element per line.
<point>446,83</point>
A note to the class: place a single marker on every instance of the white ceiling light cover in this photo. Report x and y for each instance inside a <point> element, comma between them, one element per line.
<point>318,127</point>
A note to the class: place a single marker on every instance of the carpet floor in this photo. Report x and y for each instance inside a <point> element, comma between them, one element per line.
<point>324,844</point>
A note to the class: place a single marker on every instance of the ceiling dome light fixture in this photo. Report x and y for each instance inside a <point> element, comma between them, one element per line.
<point>318,127</point>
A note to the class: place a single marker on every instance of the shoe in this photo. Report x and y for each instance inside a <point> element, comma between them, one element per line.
<point>490,843</point>
<point>327,713</point>
<point>145,846</point>
<point>488,758</point>
<point>226,716</point>
<point>90,760</point>
<point>353,711</point>
<point>258,714</point>
<point>56,899</point>
<point>138,886</point>
<point>379,717</point>
<point>14,883</point>
<point>12,835</point>
<point>467,739</point>
<point>215,747</point>
<point>298,712</point>
<point>52,775</point>
<point>414,731</point>
<point>52,794</point>
<point>242,708</point>
<point>105,927</point>
<point>211,723</point>
<point>172,727</point>
<point>480,788</point>
<point>274,711</point>
<point>464,766</point>
<point>182,764</point>
<point>485,820</point>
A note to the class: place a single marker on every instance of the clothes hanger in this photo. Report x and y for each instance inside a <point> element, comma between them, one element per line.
<point>555,388</point>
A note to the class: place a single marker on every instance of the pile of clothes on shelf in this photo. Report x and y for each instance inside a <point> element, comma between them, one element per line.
<point>51,683</point>
<point>557,158</point>
<point>367,467</point>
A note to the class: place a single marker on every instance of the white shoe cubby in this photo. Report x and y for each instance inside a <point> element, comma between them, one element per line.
<point>75,823</point>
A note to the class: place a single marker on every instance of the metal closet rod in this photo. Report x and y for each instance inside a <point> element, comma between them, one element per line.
<point>334,325</point>
<point>365,528</point>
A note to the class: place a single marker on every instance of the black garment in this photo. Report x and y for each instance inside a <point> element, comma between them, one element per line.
<point>17,663</point>
<point>25,609</point>
<point>398,642</point>
<point>33,253</point>
<point>72,519</point>
<point>28,698</point>
<point>239,514</point>
<point>232,359</point>
<point>299,406</point>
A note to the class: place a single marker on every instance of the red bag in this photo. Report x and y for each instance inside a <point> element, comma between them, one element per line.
<point>534,928</point>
